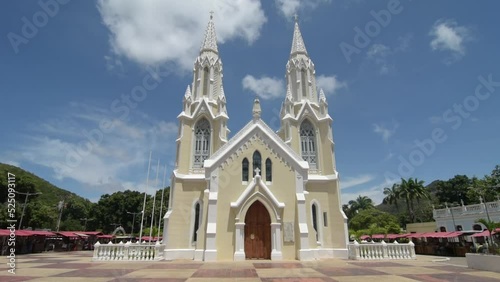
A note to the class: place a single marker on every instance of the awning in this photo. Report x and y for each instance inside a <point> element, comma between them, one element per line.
<point>486,233</point>
<point>105,236</point>
<point>452,234</point>
<point>68,234</point>
<point>82,235</point>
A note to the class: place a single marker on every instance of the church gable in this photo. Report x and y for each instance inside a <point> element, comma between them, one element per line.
<point>256,131</point>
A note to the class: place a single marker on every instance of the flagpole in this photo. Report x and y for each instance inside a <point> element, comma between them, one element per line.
<point>161,205</point>
<point>154,202</point>
<point>144,202</point>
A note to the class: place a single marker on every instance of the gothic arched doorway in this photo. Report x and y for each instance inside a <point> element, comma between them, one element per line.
<point>257,232</point>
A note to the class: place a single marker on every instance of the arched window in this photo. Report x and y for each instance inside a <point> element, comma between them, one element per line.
<point>201,142</point>
<point>308,143</point>
<point>303,81</point>
<point>442,229</point>
<point>477,227</point>
<point>257,163</point>
<point>206,77</point>
<point>269,170</point>
<point>459,228</point>
<point>314,210</point>
<point>196,222</point>
<point>244,170</point>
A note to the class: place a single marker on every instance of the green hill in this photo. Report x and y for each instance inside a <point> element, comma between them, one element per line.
<point>42,210</point>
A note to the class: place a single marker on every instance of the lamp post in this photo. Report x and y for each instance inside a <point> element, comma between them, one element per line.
<point>485,207</point>
<point>86,219</point>
<point>133,221</point>
<point>25,203</point>
<point>452,217</point>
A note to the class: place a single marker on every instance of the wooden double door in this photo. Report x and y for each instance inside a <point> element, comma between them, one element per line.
<point>257,232</point>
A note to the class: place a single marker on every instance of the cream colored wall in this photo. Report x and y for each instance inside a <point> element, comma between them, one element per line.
<point>180,223</point>
<point>327,196</point>
<point>231,187</point>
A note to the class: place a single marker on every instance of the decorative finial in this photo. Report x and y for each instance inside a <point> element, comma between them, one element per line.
<point>256,109</point>
<point>257,170</point>
<point>211,15</point>
<point>296,17</point>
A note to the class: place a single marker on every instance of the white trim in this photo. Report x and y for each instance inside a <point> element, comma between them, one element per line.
<point>173,254</point>
<point>181,176</point>
<point>246,195</point>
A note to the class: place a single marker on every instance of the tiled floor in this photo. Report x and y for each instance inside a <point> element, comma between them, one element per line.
<point>77,266</point>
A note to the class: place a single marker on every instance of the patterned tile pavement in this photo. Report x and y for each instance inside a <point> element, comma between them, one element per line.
<point>77,266</point>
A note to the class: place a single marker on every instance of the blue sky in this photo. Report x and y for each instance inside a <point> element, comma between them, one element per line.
<point>419,97</point>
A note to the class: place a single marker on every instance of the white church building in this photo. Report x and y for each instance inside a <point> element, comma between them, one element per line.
<point>260,194</point>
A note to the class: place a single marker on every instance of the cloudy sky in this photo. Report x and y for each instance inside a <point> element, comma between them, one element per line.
<point>413,88</point>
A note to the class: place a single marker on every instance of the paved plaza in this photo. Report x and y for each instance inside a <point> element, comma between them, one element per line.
<point>77,266</point>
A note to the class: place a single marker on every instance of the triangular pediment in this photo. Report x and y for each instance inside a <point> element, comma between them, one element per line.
<point>256,130</point>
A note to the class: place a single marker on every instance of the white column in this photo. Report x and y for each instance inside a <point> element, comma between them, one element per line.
<point>239,253</point>
<point>276,241</point>
<point>211,244</point>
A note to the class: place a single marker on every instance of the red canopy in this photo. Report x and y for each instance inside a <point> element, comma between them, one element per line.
<point>452,234</point>
<point>486,233</point>
<point>4,232</point>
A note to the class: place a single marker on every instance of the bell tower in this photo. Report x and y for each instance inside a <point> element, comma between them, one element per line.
<point>203,120</point>
<point>305,122</point>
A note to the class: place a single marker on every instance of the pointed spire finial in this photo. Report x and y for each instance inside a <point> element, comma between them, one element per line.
<point>322,96</point>
<point>256,109</point>
<point>210,41</point>
<point>296,17</point>
<point>298,45</point>
<point>187,94</point>
<point>211,15</point>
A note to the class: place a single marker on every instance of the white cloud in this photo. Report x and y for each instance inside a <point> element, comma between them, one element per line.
<point>385,132</point>
<point>449,36</point>
<point>376,193</point>
<point>379,53</point>
<point>355,181</point>
<point>290,7</point>
<point>329,84</point>
<point>77,148</point>
<point>265,87</point>
<point>168,31</point>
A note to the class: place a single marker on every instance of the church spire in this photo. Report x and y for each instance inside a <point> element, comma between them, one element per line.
<point>210,41</point>
<point>298,46</point>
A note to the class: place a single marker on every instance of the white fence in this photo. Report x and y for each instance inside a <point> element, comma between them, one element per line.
<point>378,251</point>
<point>127,252</point>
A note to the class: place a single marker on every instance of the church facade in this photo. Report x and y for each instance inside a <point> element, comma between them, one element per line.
<point>260,194</point>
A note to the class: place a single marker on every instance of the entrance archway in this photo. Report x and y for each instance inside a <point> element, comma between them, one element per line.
<point>257,232</point>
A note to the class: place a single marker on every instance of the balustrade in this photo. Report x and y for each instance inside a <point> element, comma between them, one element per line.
<point>379,251</point>
<point>127,252</point>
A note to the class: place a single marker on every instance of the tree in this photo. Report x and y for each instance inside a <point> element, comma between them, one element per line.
<point>361,203</point>
<point>454,190</point>
<point>373,219</point>
<point>410,190</point>
<point>392,196</point>
<point>491,226</point>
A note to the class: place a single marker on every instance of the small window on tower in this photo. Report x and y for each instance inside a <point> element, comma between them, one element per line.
<point>269,170</point>
<point>206,77</point>
<point>244,170</point>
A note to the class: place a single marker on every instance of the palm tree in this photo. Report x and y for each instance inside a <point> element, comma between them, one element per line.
<point>392,196</point>
<point>412,189</point>
<point>491,226</point>
<point>361,203</point>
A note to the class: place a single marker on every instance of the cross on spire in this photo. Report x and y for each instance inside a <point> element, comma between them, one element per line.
<point>257,170</point>
<point>211,14</point>
<point>296,17</point>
